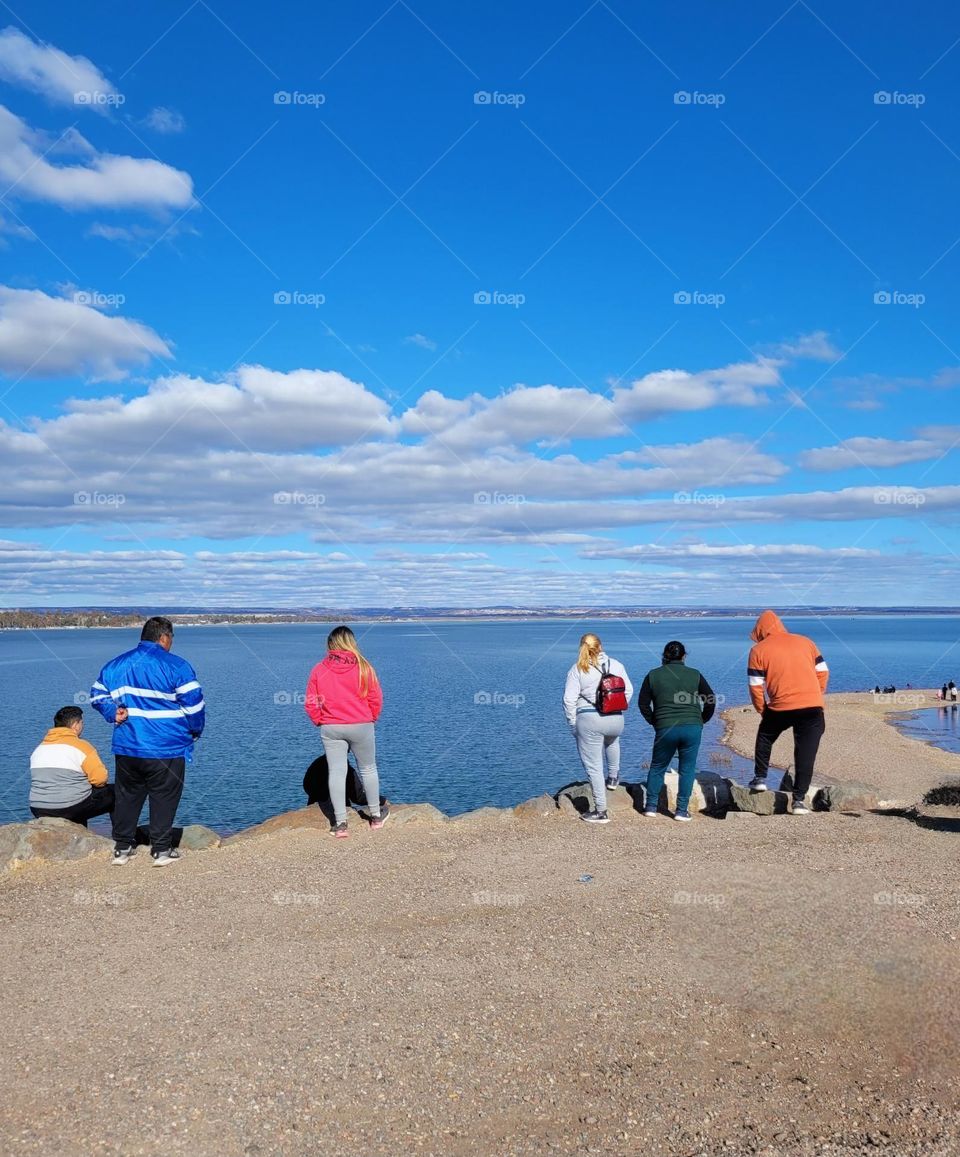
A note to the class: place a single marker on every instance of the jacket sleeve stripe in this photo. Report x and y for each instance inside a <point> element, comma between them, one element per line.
<point>193,710</point>
<point>755,680</point>
<point>193,685</point>
<point>144,692</point>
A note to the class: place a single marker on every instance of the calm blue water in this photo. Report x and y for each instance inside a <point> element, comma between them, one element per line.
<point>434,742</point>
<point>937,725</point>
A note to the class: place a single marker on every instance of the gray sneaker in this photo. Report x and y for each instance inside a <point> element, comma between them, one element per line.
<point>757,784</point>
<point>123,856</point>
<point>161,859</point>
<point>800,808</point>
<point>595,817</point>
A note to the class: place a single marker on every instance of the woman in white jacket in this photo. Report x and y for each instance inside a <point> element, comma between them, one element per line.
<point>596,735</point>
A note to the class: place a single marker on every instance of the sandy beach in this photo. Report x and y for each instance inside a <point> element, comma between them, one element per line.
<point>503,985</point>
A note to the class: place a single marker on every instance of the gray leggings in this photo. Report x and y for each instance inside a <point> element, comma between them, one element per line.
<point>338,739</point>
<point>599,735</point>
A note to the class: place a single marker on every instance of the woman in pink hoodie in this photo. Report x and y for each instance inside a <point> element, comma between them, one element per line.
<point>344,700</point>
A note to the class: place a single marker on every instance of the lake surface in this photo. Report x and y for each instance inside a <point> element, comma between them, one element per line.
<point>939,726</point>
<point>472,710</point>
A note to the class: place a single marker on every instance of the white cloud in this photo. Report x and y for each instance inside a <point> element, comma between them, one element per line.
<point>671,391</point>
<point>165,120</point>
<point>875,453</point>
<point>103,180</point>
<point>43,336</point>
<point>815,346</point>
<point>421,340</point>
<point>54,74</point>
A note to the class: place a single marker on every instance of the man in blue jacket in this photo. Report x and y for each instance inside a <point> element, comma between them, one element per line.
<point>156,705</point>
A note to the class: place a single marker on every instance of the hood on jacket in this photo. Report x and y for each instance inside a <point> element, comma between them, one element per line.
<point>56,733</point>
<point>342,662</point>
<point>768,623</point>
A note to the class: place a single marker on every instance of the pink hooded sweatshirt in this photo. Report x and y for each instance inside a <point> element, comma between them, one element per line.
<point>334,695</point>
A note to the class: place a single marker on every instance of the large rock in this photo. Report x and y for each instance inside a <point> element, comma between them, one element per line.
<point>846,797</point>
<point>715,791</point>
<point>761,803</point>
<point>196,838</point>
<point>487,815</point>
<point>542,807</point>
<point>49,840</point>
<point>416,813</point>
<point>304,817</point>
<point>577,798</point>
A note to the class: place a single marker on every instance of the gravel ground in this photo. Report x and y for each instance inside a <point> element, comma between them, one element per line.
<point>771,985</point>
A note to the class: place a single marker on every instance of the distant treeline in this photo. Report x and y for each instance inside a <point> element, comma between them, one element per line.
<point>38,620</point>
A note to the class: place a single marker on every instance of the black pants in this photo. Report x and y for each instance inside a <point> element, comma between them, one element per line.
<point>136,778</point>
<point>808,728</point>
<point>99,802</point>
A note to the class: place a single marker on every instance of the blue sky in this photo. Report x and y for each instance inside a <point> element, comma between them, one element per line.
<point>399,303</point>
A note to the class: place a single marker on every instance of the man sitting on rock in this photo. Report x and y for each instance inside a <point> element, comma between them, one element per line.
<point>67,777</point>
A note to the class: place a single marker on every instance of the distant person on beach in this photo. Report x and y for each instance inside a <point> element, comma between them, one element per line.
<point>67,777</point>
<point>942,693</point>
<point>596,694</point>
<point>156,703</point>
<point>952,691</point>
<point>344,699</point>
<point>793,673</point>
<point>676,701</point>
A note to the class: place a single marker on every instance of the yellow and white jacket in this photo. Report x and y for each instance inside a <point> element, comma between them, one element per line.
<point>63,769</point>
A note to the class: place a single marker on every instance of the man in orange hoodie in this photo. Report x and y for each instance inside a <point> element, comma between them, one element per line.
<point>793,673</point>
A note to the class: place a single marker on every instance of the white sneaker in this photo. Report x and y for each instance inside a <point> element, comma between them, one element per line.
<point>161,859</point>
<point>123,856</point>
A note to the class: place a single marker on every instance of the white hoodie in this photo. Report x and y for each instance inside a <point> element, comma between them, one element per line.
<point>580,692</point>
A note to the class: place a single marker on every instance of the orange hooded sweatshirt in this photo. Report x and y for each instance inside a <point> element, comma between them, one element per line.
<point>790,667</point>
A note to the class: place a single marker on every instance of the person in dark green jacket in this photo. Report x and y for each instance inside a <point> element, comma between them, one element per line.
<point>676,701</point>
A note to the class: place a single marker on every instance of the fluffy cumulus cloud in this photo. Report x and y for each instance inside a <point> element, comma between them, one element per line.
<point>61,78</point>
<point>97,181</point>
<point>669,391</point>
<point>43,336</point>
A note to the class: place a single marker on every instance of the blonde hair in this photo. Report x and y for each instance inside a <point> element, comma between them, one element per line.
<point>343,639</point>
<point>590,648</point>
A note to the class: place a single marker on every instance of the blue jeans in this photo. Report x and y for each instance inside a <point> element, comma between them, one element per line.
<point>682,740</point>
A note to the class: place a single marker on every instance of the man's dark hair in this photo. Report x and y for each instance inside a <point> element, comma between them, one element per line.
<point>155,628</point>
<point>67,716</point>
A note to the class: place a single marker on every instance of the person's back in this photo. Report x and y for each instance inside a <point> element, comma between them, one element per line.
<point>67,776</point>
<point>789,666</point>
<point>156,704</point>
<point>675,693</point>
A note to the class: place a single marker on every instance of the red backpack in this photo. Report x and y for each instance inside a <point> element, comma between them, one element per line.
<point>611,694</point>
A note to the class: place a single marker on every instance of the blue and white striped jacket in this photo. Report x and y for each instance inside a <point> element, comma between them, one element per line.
<point>163,700</point>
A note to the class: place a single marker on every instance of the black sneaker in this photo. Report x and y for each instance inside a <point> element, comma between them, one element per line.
<point>161,859</point>
<point>377,822</point>
<point>757,784</point>
<point>613,784</point>
<point>595,817</point>
<point>800,808</point>
<point>123,856</point>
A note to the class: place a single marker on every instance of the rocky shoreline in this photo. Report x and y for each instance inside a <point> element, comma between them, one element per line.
<point>508,981</point>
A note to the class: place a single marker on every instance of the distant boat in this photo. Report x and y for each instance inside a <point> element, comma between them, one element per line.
<point>653,620</point>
